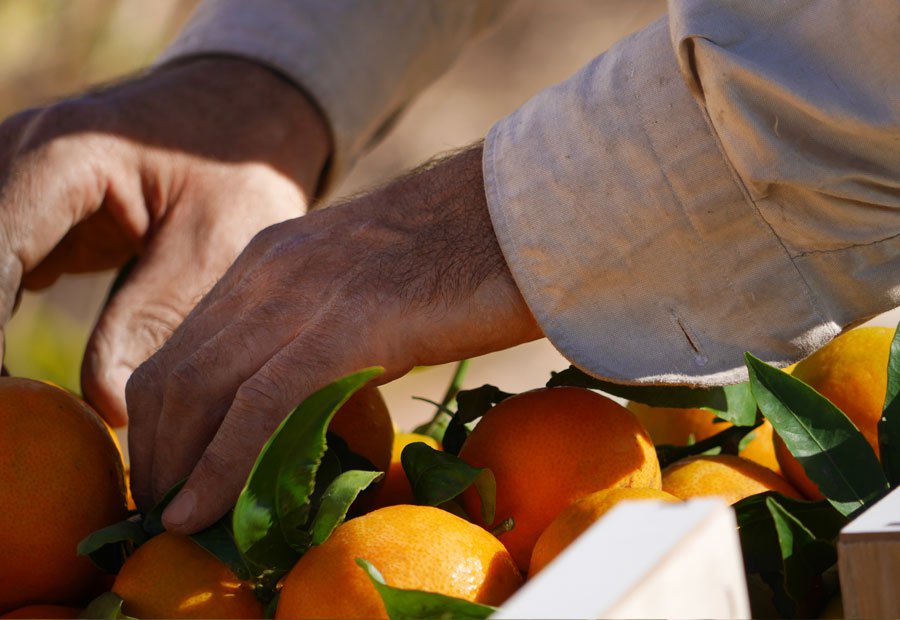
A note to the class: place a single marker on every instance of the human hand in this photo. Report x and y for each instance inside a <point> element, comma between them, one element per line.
<point>181,166</point>
<point>410,274</point>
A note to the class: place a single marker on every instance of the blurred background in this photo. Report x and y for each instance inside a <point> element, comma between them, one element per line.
<point>50,48</point>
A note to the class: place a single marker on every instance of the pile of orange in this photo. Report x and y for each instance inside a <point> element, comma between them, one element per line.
<point>562,458</point>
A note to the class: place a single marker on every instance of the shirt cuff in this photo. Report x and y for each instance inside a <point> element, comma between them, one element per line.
<point>629,235</point>
<point>361,61</point>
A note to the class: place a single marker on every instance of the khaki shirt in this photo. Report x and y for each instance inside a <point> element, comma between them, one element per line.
<point>725,180</point>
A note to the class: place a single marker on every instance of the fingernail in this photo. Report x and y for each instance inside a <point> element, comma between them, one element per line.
<point>180,510</point>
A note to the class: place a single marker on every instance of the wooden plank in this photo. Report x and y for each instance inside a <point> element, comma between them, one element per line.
<point>869,561</point>
<point>644,560</point>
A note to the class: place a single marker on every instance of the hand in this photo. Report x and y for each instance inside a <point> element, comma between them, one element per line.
<point>181,167</point>
<point>410,274</point>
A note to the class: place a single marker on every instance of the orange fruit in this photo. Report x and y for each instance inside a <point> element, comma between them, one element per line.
<point>395,489</point>
<point>60,479</point>
<point>761,447</point>
<point>730,477</point>
<point>171,576</point>
<point>365,424</point>
<point>414,547</point>
<point>43,611</point>
<point>577,518</point>
<point>681,427</point>
<point>677,427</point>
<point>851,372</point>
<point>550,447</point>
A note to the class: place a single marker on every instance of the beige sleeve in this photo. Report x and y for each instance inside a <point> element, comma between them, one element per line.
<point>362,61</point>
<point>726,180</point>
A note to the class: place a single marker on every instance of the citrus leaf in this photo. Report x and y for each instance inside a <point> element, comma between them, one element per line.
<point>107,606</point>
<point>732,403</point>
<point>347,459</point>
<point>889,424</point>
<point>832,451</point>
<point>437,477</point>
<point>108,547</point>
<point>337,499</point>
<point>329,469</point>
<point>408,604</point>
<point>470,405</point>
<point>218,539</point>
<point>272,511</point>
<point>759,538</point>
<point>805,557</point>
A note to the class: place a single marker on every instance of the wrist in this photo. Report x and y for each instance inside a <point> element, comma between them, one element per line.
<point>457,296</point>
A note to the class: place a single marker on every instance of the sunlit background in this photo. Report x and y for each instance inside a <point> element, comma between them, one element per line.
<point>49,48</point>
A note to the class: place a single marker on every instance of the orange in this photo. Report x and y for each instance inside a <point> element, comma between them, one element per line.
<point>395,488</point>
<point>171,576</point>
<point>60,479</point>
<point>730,477</point>
<point>680,427</point>
<point>761,447</point>
<point>365,424</point>
<point>413,547</point>
<point>43,611</point>
<point>851,372</point>
<point>677,427</point>
<point>550,447</point>
<point>577,518</point>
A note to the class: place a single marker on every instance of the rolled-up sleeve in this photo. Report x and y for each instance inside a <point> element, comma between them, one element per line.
<point>725,180</point>
<point>362,61</point>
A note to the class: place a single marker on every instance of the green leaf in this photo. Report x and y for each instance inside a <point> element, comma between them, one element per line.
<point>329,469</point>
<point>416,604</point>
<point>272,512</point>
<point>108,547</point>
<point>832,451</point>
<point>337,500</point>
<point>889,424</point>
<point>218,539</point>
<point>107,606</point>
<point>732,403</point>
<point>437,477</point>
<point>805,557</point>
<point>471,405</point>
<point>759,537</point>
<point>347,459</point>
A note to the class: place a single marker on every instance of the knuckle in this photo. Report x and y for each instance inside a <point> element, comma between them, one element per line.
<point>260,392</point>
<point>146,378</point>
<point>186,378</point>
<point>214,465</point>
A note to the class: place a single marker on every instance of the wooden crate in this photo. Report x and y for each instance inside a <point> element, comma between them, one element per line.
<point>869,561</point>
<point>644,560</point>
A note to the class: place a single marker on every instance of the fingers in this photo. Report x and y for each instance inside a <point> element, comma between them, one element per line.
<point>259,406</point>
<point>196,401</point>
<point>143,314</point>
<point>135,323</point>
